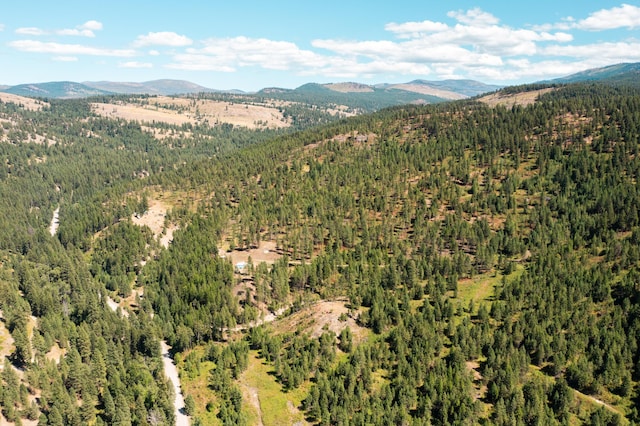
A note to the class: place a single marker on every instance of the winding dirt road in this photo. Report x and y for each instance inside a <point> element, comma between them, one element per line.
<point>171,372</point>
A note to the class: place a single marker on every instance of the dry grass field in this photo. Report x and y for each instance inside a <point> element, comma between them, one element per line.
<point>27,103</point>
<point>179,111</point>
<point>523,98</point>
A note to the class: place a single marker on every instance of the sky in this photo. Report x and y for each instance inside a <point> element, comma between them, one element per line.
<point>250,45</point>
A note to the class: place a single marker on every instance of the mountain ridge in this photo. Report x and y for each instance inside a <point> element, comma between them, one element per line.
<point>152,87</point>
<point>616,73</point>
<point>435,90</point>
<point>55,89</point>
<point>443,90</point>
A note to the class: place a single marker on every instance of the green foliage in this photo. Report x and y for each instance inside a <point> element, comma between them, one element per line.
<point>397,212</point>
<point>118,254</point>
<point>189,405</point>
<point>189,286</point>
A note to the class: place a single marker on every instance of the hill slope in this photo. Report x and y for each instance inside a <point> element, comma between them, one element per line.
<point>56,89</point>
<point>618,73</point>
<point>484,249</point>
<point>155,87</point>
<point>456,263</point>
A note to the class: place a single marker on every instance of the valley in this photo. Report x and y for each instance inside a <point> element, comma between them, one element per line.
<point>270,259</point>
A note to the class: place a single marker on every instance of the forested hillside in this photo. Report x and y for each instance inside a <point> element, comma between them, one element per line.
<point>491,252</point>
<point>448,264</point>
<point>67,358</point>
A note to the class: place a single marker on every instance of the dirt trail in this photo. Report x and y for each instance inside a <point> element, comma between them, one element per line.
<point>254,399</point>
<point>171,372</point>
<point>55,222</point>
<point>599,402</point>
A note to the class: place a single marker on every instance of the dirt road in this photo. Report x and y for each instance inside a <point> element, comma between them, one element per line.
<point>171,372</point>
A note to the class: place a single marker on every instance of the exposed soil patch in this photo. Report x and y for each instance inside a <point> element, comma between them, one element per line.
<point>115,305</point>
<point>167,237</point>
<point>426,90</point>
<point>55,222</point>
<point>326,315</point>
<point>6,348</point>
<point>55,353</point>
<point>523,98</point>
<point>265,252</point>
<point>251,394</point>
<point>473,367</point>
<point>154,218</point>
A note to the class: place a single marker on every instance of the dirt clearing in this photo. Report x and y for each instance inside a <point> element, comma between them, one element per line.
<point>325,315</point>
<point>265,252</point>
<point>154,218</point>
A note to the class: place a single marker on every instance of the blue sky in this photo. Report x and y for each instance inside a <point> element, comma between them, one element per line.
<point>249,45</point>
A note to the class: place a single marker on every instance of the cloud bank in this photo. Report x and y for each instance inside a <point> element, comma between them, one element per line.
<point>465,44</point>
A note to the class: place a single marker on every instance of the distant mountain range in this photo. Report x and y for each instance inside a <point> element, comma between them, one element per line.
<point>155,87</point>
<point>384,94</point>
<point>414,91</point>
<point>55,89</point>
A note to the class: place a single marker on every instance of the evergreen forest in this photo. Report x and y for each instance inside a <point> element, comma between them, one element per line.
<point>450,264</point>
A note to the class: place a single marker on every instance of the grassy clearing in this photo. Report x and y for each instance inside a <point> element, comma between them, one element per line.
<point>380,377</point>
<point>276,407</point>
<point>197,385</point>
<point>482,288</point>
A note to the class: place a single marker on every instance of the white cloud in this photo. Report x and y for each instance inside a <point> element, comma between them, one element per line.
<point>227,54</point>
<point>91,25</point>
<point>61,49</point>
<point>466,44</point>
<point>163,38</point>
<point>231,54</point>
<point>474,45</point>
<point>65,58</point>
<point>84,30</point>
<point>475,17</point>
<point>525,70</point>
<point>1,27</point>
<point>75,32</point>
<point>134,64</point>
<point>603,53</point>
<point>625,16</point>
<point>415,29</point>
<point>33,31</point>
<point>475,42</point>
<point>476,32</point>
